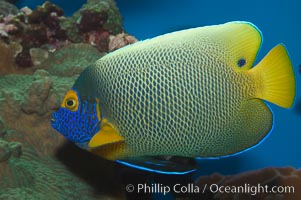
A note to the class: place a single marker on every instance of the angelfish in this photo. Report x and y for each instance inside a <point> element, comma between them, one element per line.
<point>190,93</point>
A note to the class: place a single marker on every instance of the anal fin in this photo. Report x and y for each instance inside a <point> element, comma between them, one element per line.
<point>162,165</point>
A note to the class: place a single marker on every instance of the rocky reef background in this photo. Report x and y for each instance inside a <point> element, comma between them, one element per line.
<point>42,52</point>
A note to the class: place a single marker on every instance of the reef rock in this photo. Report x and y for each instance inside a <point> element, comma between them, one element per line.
<point>94,20</point>
<point>38,93</point>
<point>38,55</point>
<point>32,93</point>
<point>28,168</point>
<point>39,63</point>
<point>120,40</point>
<point>34,177</point>
<point>287,180</point>
<point>4,151</point>
<point>40,32</point>
<point>2,127</point>
<point>8,53</point>
<point>8,149</point>
<point>27,101</point>
<point>71,60</point>
<point>7,8</point>
<point>35,29</point>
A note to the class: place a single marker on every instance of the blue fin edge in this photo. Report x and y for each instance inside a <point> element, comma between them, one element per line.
<point>153,170</point>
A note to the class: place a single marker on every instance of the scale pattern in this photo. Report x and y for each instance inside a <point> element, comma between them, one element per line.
<point>173,95</point>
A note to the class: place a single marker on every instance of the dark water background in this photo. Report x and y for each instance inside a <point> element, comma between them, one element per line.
<point>279,21</point>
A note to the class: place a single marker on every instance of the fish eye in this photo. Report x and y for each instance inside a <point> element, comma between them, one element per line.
<point>241,62</point>
<point>70,104</point>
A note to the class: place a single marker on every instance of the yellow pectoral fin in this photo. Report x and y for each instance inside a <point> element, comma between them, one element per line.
<point>106,135</point>
<point>112,151</point>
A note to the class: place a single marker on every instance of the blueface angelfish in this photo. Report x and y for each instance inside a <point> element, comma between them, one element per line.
<point>191,93</point>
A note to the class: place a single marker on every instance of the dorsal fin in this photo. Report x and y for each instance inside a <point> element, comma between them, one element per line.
<point>240,40</point>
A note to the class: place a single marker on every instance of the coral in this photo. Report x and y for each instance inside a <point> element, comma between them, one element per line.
<point>3,128</point>
<point>8,53</point>
<point>4,151</point>
<point>7,12</point>
<point>6,28</point>
<point>26,10</point>
<point>6,57</point>
<point>23,59</point>
<point>34,29</point>
<point>44,30</point>
<point>99,39</point>
<point>72,59</point>
<point>28,146</point>
<point>19,180</point>
<point>7,8</point>
<point>38,55</point>
<point>27,101</point>
<point>92,20</point>
<point>38,65</point>
<point>8,149</point>
<point>38,93</point>
<point>120,40</point>
<point>45,14</point>
<point>267,177</point>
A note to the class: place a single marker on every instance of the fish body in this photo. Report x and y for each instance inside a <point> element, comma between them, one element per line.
<point>190,93</point>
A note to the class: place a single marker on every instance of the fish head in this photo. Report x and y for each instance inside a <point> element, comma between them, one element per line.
<point>78,118</point>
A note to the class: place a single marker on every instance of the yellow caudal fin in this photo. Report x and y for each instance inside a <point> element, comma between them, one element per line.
<point>274,78</point>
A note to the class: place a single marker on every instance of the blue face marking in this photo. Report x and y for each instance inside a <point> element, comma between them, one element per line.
<point>77,126</point>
